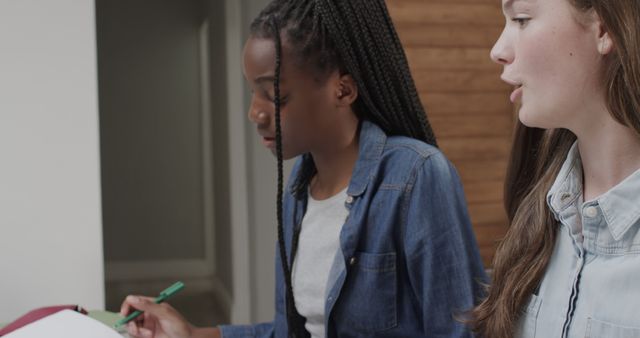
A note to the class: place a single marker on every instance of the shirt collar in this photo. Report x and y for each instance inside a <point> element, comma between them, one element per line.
<point>620,205</point>
<point>567,187</point>
<point>371,143</point>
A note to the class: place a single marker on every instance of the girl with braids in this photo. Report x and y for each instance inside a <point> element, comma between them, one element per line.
<point>374,238</point>
<point>569,265</point>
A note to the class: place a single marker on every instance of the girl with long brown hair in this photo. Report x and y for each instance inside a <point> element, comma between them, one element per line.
<point>569,265</point>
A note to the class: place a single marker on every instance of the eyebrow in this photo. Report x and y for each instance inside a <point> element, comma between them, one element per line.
<point>509,4</point>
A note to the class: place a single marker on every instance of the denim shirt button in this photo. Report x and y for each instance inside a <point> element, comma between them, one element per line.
<point>349,199</point>
<point>591,212</point>
<point>353,261</point>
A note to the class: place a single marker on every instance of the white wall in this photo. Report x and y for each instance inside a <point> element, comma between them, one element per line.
<point>50,222</point>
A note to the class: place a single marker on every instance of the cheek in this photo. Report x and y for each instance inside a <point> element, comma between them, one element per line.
<point>558,72</point>
<point>538,69</point>
<point>308,114</point>
<point>306,117</point>
<point>294,125</point>
<point>544,60</point>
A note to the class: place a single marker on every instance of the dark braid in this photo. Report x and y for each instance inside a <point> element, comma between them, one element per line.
<point>380,40</point>
<point>356,37</point>
<point>398,106</point>
<point>295,321</point>
<point>407,79</point>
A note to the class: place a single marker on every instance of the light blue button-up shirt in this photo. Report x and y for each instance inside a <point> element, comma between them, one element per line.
<point>592,284</point>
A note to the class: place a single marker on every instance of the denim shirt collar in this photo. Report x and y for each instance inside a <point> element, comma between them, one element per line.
<point>567,187</point>
<point>620,205</point>
<point>371,143</point>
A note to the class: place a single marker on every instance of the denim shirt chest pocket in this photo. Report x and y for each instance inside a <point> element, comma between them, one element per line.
<point>369,296</point>
<point>601,329</point>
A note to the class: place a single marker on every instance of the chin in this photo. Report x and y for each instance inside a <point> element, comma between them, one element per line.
<point>285,155</point>
<point>532,120</point>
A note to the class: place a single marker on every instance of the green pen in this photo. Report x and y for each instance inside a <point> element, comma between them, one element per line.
<point>164,295</point>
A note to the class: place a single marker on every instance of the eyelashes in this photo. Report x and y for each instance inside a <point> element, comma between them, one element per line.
<point>521,21</point>
<point>270,97</point>
<point>283,99</point>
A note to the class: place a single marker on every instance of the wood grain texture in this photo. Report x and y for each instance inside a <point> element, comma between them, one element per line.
<point>447,43</point>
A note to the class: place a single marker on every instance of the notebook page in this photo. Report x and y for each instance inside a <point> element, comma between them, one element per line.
<point>65,324</point>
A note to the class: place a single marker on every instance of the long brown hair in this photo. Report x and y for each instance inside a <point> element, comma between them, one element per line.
<point>536,158</point>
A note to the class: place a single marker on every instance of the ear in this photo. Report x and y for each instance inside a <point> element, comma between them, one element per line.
<point>603,39</point>
<point>605,44</point>
<point>346,90</point>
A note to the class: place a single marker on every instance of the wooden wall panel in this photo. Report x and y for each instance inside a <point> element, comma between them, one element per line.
<point>422,12</point>
<point>447,43</point>
<point>448,35</point>
<point>449,58</point>
<point>454,81</point>
<point>451,103</point>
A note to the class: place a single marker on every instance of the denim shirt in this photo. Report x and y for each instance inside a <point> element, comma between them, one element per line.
<point>409,263</point>
<point>592,285</point>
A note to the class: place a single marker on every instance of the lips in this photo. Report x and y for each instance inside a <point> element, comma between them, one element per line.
<point>268,141</point>
<point>516,94</point>
<point>517,91</point>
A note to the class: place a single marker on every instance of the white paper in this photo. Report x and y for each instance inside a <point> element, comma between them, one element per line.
<point>65,324</point>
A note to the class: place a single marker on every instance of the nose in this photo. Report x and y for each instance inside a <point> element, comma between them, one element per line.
<point>257,115</point>
<point>502,51</point>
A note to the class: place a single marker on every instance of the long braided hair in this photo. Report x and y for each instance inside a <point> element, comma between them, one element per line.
<point>356,37</point>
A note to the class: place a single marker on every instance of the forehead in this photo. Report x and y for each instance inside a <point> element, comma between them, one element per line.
<point>259,62</point>
<point>259,56</point>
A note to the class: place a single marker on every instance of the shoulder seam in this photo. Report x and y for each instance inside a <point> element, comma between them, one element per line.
<point>422,151</point>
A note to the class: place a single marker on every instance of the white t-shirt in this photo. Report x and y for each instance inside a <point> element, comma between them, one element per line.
<point>317,247</point>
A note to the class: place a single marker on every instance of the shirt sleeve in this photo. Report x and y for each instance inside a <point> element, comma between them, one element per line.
<point>443,260</point>
<point>263,330</point>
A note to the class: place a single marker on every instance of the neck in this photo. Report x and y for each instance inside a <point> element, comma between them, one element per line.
<point>610,152</point>
<point>334,163</point>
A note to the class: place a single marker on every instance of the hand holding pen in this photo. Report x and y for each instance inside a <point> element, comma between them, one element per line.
<point>164,295</point>
<point>152,318</point>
